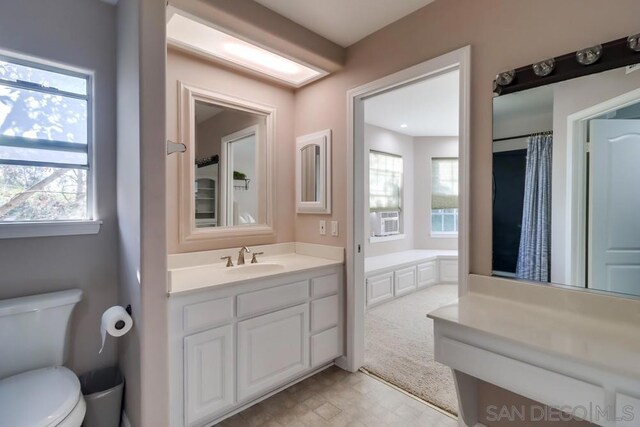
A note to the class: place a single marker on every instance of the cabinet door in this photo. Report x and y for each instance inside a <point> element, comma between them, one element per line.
<point>448,271</point>
<point>427,274</point>
<point>272,349</point>
<point>208,374</point>
<point>405,281</point>
<point>379,288</point>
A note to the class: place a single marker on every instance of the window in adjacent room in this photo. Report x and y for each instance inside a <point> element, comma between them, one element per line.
<point>45,143</point>
<point>385,193</point>
<point>444,196</point>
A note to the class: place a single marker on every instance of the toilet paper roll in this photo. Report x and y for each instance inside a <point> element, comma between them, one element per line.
<point>115,322</point>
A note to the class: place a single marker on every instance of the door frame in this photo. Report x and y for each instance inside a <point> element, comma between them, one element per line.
<point>576,196</point>
<point>459,59</point>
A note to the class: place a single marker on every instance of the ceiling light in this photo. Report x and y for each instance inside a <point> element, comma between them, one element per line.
<point>190,34</point>
<point>404,125</point>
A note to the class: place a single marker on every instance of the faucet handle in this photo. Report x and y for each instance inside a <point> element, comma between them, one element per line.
<point>254,260</point>
<point>229,262</point>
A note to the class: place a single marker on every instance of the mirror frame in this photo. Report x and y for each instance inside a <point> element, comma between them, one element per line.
<point>187,96</point>
<point>323,140</point>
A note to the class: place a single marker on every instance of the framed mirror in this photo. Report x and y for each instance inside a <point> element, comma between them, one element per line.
<point>313,173</point>
<point>226,183</point>
<point>565,174</point>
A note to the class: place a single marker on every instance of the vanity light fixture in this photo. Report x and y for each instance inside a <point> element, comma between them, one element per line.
<point>505,78</point>
<point>634,42</point>
<point>196,36</point>
<point>544,68</point>
<point>589,55</point>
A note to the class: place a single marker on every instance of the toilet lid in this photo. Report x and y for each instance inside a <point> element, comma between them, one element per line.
<point>38,398</point>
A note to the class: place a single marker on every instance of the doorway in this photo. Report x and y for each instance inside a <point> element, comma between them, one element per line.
<point>401,283</point>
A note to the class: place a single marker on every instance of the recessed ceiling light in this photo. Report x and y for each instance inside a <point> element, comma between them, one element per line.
<point>404,125</point>
<point>190,34</point>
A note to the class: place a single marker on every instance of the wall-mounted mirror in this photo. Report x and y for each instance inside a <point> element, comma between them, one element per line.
<point>313,173</point>
<point>226,171</point>
<point>566,207</point>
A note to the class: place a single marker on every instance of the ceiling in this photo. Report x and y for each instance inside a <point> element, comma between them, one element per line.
<point>532,102</point>
<point>427,108</point>
<point>205,111</point>
<point>344,22</point>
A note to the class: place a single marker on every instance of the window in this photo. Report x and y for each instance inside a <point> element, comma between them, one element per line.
<point>444,196</point>
<point>45,142</point>
<point>385,182</point>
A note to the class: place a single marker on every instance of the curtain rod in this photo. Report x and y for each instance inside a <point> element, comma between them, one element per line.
<point>523,136</point>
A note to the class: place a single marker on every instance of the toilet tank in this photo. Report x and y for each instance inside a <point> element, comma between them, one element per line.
<point>34,331</point>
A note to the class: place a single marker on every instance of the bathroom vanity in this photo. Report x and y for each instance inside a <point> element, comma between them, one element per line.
<point>574,351</point>
<point>239,334</point>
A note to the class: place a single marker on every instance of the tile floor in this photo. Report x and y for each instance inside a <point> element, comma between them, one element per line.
<point>338,398</point>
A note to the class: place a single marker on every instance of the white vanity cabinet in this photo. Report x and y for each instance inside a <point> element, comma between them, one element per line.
<point>231,346</point>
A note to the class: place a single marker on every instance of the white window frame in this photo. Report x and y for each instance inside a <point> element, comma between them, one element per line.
<point>442,234</point>
<point>90,225</point>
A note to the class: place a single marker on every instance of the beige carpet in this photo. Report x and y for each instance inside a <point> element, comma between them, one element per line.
<point>399,346</point>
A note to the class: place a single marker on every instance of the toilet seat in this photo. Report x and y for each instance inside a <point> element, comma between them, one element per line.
<point>44,397</point>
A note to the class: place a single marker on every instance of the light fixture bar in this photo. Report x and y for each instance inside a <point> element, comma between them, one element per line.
<point>194,35</point>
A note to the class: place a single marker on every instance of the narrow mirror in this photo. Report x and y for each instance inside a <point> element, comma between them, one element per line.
<point>310,164</point>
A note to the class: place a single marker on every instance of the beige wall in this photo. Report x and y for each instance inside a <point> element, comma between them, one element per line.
<point>425,148</point>
<point>38,265</point>
<point>128,182</point>
<point>207,75</point>
<point>503,34</point>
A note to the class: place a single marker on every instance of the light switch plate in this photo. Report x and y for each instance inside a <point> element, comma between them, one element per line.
<point>334,228</point>
<point>323,228</point>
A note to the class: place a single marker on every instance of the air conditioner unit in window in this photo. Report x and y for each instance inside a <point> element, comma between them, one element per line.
<point>387,223</point>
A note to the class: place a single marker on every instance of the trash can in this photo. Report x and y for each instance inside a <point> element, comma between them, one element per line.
<point>102,390</point>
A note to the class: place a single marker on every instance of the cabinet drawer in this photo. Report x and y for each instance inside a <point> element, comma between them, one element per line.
<point>325,313</point>
<point>427,274</point>
<point>448,271</point>
<point>379,288</point>
<point>325,347</point>
<point>325,285</point>
<point>207,313</point>
<point>209,374</point>
<point>405,281</point>
<point>272,349</point>
<point>272,298</point>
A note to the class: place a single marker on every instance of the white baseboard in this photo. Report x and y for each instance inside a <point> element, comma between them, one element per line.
<point>124,422</point>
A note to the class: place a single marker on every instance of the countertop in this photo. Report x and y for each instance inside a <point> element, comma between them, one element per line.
<point>609,344</point>
<point>397,259</point>
<point>189,273</point>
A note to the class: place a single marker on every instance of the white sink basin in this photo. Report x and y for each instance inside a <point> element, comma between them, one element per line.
<point>250,269</point>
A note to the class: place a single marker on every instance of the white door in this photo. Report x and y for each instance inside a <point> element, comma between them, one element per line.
<point>614,206</point>
<point>208,374</point>
<point>272,349</point>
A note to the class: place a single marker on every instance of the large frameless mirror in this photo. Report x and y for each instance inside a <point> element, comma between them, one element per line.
<point>226,186</point>
<point>565,174</point>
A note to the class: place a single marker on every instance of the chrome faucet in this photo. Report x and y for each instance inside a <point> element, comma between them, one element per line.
<point>241,255</point>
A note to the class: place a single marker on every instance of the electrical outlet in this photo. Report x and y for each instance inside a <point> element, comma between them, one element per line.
<point>323,228</point>
<point>334,228</point>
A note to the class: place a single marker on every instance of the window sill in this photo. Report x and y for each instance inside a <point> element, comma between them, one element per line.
<point>389,238</point>
<point>15,230</point>
<point>444,235</point>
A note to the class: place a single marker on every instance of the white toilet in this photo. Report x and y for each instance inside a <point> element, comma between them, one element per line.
<point>35,389</point>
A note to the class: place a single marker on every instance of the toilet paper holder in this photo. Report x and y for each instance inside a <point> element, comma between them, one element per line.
<point>120,323</point>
